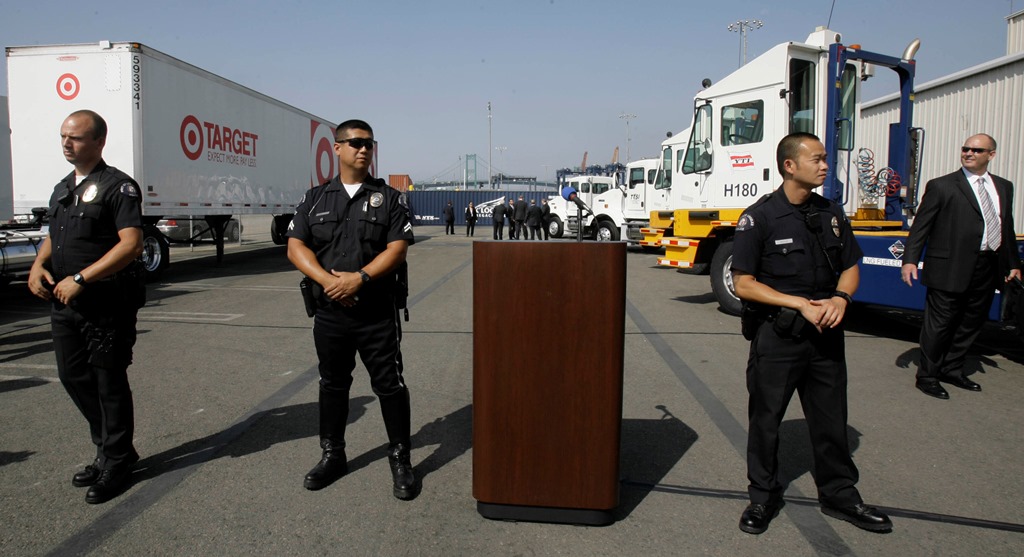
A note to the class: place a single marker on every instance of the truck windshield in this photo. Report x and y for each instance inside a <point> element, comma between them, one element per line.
<point>847,109</point>
<point>664,179</point>
<point>698,150</point>
<point>801,96</point>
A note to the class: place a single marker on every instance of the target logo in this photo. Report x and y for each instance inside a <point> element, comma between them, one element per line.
<point>191,135</point>
<point>321,146</point>
<point>68,86</point>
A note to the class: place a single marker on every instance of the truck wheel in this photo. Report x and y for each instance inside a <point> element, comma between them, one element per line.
<point>278,228</point>
<point>156,252</point>
<point>233,232</point>
<point>721,280</point>
<point>606,232</point>
<point>555,229</point>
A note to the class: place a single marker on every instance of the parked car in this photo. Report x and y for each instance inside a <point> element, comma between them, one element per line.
<point>177,229</point>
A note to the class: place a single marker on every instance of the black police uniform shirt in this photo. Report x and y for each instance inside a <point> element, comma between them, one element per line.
<point>85,218</point>
<point>346,233</point>
<point>780,244</point>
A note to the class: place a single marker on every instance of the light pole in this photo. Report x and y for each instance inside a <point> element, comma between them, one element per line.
<point>627,118</point>
<point>502,151</point>
<point>741,27</point>
<point>490,169</point>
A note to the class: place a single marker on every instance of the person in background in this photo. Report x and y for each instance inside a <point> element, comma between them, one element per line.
<point>470,219</point>
<point>965,221</point>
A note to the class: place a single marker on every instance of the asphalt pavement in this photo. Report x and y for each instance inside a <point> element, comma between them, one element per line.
<point>225,387</point>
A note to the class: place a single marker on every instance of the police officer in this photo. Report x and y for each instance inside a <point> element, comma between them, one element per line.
<point>350,236</point>
<point>795,266</point>
<point>85,267</point>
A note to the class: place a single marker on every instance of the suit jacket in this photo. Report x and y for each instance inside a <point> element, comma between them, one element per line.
<point>520,210</point>
<point>949,223</point>
<point>470,214</point>
<point>534,216</point>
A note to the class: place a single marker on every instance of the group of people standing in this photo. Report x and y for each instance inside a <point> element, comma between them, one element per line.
<point>522,219</point>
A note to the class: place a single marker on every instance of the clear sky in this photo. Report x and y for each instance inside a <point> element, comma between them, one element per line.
<point>557,72</point>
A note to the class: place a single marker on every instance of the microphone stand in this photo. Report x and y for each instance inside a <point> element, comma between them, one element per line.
<point>579,224</point>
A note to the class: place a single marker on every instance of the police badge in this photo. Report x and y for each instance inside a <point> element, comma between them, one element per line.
<point>835,226</point>
<point>90,193</point>
<point>377,199</point>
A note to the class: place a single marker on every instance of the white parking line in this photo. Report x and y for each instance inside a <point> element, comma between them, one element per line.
<point>208,286</point>
<point>27,366</point>
<point>188,316</point>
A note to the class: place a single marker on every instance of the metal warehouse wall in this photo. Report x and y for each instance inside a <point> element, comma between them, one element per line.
<point>428,206</point>
<point>1015,33</point>
<point>988,98</point>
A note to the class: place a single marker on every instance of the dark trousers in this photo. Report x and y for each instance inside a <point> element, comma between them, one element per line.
<point>521,230</point>
<point>375,334</point>
<point>449,227</point>
<point>815,367</point>
<point>535,233</point>
<point>499,229</point>
<point>93,355</point>
<point>952,322</point>
<point>547,232</point>
<point>470,225</point>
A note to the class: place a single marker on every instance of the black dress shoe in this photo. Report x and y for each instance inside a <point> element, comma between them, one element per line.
<point>332,466</point>
<point>756,517</point>
<point>962,382</point>
<point>861,516</point>
<point>402,474</point>
<point>932,388</point>
<point>111,483</point>
<point>88,475</point>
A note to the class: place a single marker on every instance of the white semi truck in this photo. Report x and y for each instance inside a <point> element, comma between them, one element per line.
<point>620,210</point>
<point>198,144</point>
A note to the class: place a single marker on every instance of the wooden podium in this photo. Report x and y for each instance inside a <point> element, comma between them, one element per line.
<point>548,326</point>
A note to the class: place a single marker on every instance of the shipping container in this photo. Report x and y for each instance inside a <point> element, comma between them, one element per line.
<point>428,206</point>
<point>400,182</point>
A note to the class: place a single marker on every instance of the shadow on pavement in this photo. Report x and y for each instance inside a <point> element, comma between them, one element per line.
<point>650,449</point>
<point>260,432</point>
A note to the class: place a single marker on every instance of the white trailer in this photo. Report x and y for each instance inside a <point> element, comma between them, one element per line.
<point>198,144</point>
<point>6,193</point>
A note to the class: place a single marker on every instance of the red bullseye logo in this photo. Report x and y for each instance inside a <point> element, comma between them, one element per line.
<point>191,135</point>
<point>68,86</point>
<point>322,150</point>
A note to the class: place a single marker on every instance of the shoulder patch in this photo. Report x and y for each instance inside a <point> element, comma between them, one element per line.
<point>746,222</point>
<point>129,189</point>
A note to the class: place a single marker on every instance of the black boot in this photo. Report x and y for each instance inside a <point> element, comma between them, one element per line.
<point>401,472</point>
<point>332,466</point>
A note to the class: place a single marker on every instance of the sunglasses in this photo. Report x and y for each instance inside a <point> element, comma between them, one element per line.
<point>975,150</point>
<point>358,143</point>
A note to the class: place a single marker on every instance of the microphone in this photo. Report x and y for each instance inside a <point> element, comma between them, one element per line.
<point>569,193</point>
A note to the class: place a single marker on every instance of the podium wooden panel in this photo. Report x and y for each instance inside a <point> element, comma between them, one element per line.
<point>548,326</point>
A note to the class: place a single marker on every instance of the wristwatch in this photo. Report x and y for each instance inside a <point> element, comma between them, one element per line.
<point>843,295</point>
<point>79,279</point>
<point>366,277</point>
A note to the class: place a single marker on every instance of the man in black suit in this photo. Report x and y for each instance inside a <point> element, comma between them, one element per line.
<point>498,220</point>
<point>519,214</point>
<point>966,222</point>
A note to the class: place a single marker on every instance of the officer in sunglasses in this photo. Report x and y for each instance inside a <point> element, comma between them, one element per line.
<point>350,237</point>
<point>966,223</point>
